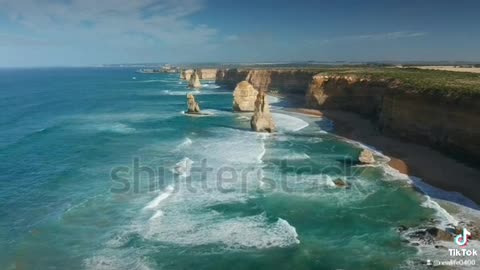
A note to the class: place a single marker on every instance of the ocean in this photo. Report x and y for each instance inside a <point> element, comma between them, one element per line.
<point>101,169</point>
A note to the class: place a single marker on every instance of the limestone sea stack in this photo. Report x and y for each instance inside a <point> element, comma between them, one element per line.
<point>244,97</point>
<point>193,107</point>
<point>195,81</point>
<point>262,119</point>
<point>366,157</point>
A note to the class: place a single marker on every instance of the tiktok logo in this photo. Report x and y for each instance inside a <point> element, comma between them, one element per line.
<point>462,239</point>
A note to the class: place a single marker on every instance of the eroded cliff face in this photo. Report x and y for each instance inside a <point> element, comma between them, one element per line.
<point>203,74</point>
<point>281,81</point>
<point>278,81</point>
<point>230,77</point>
<point>349,93</point>
<point>450,125</point>
<point>447,124</point>
<point>186,74</point>
<point>207,74</point>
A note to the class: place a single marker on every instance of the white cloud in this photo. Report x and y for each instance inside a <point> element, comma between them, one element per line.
<point>20,40</point>
<point>121,22</point>
<point>377,36</point>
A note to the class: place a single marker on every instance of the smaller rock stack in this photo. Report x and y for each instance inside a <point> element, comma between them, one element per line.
<point>262,119</point>
<point>195,81</point>
<point>366,157</point>
<point>193,107</point>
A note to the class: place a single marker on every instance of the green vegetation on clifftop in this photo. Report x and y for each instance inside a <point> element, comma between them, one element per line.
<point>435,82</point>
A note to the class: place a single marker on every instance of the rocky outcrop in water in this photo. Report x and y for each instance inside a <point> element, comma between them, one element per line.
<point>244,97</point>
<point>262,120</point>
<point>195,81</point>
<point>340,183</point>
<point>366,157</point>
<point>193,107</point>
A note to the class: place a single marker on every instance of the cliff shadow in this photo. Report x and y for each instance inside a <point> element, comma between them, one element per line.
<point>431,166</point>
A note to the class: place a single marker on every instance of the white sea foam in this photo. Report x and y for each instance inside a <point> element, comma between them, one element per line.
<point>210,86</point>
<point>184,144</point>
<point>273,99</point>
<point>296,156</point>
<point>243,117</point>
<point>158,213</point>
<point>152,81</point>
<point>109,262</point>
<point>264,150</point>
<point>231,146</point>
<point>434,196</point>
<point>113,127</point>
<point>446,219</point>
<point>329,182</point>
<point>160,197</point>
<point>215,112</point>
<point>187,219</point>
<point>183,167</point>
<point>439,194</point>
<point>286,122</point>
<point>102,263</point>
<point>287,154</point>
<point>206,91</point>
<point>393,174</point>
<point>118,240</point>
<point>235,233</point>
<point>378,155</point>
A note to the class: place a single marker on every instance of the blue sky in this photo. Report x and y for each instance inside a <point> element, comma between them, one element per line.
<point>91,32</point>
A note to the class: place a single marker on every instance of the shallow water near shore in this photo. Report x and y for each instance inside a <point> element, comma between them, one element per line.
<point>268,202</point>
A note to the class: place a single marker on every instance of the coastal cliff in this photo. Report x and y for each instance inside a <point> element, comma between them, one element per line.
<point>399,108</point>
<point>203,74</point>
<point>230,77</point>
<point>281,81</point>
<point>442,121</point>
<point>450,125</point>
<point>207,74</point>
<point>436,108</point>
<point>349,93</point>
<point>286,81</point>
<point>186,74</point>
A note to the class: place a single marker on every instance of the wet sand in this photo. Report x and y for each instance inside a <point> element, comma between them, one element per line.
<point>433,167</point>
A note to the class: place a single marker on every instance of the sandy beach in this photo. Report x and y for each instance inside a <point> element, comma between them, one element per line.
<point>431,166</point>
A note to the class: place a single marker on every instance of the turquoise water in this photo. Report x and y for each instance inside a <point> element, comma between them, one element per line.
<point>265,202</point>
